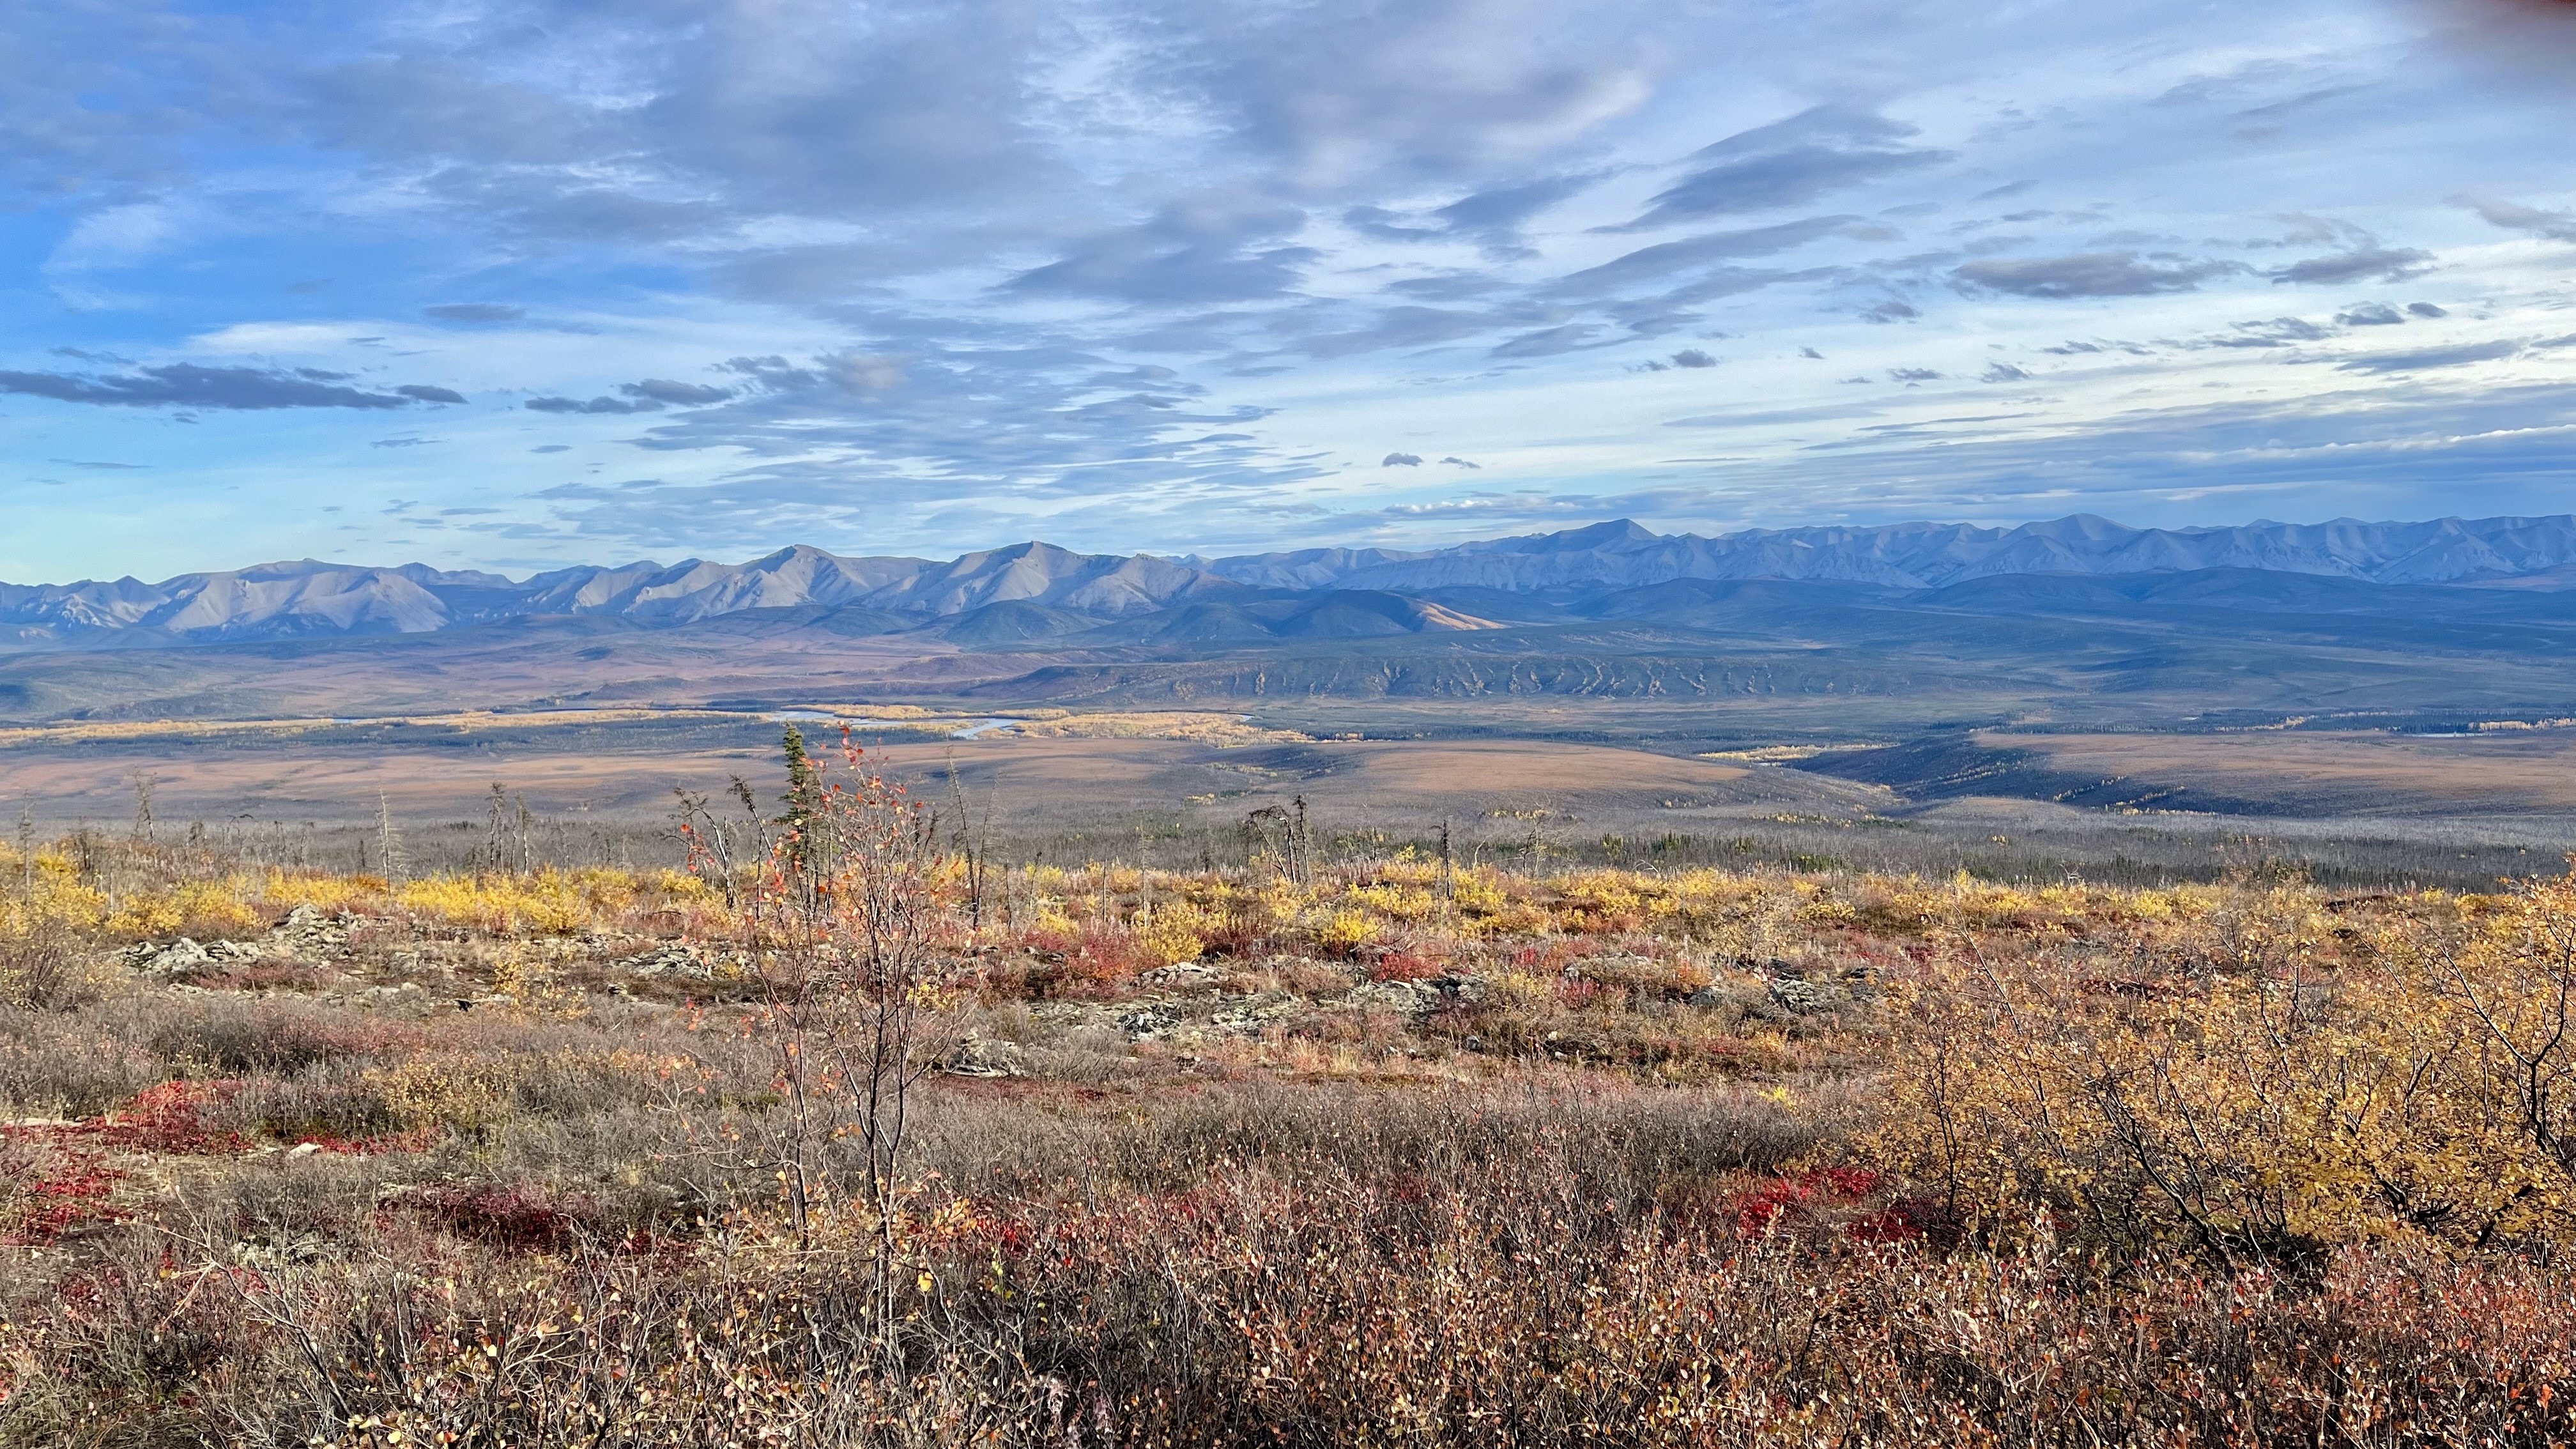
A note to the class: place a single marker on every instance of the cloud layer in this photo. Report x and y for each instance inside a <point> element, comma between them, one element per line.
<point>694,277</point>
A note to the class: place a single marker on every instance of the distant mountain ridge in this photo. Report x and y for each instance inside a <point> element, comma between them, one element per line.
<point>289,600</point>
<point>1931,555</point>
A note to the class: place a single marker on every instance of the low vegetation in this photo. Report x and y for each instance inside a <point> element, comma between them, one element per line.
<point>838,1132</point>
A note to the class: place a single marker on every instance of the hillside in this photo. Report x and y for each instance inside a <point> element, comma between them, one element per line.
<point>310,598</point>
<point>1858,660</point>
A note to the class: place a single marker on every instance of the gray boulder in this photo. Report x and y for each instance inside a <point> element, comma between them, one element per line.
<point>981,1056</point>
<point>176,960</point>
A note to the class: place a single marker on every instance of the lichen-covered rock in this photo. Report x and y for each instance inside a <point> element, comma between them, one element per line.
<point>1800,997</point>
<point>307,932</point>
<point>1147,1023</point>
<point>675,959</point>
<point>983,1056</point>
<point>1254,1017</point>
<point>174,960</point>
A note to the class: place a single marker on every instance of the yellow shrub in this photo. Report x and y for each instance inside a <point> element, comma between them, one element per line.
<point>2262,1101</point>
<point>536,987</point>
<point>465,1094</point>
<point>681,887</point>
<point>54,897</point>
<point>1051,920</point>
<point>1169,935</point>
<point>207,908</point>
<point>1343,931</point>
<point>1394,902</point>
<point>1478,895</point>
<point>550,902</point>
<point>356,893</point>
<point>1600,893</point>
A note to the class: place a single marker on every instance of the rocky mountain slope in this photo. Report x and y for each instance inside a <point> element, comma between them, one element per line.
<point>1063,590</point>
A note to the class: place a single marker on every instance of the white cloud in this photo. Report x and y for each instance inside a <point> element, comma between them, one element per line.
<point>1185,272</point>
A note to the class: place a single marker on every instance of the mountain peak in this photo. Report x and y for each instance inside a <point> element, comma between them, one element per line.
<point>309,596</point>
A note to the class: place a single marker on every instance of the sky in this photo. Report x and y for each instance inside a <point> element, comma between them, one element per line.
<point>514,284</point>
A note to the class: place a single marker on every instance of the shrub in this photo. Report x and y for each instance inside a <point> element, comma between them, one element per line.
<point>2271,1098</point>
<point>208,909</point>
<point>44,967</point>
<point>1169,935</point>
<point>1342,932</point>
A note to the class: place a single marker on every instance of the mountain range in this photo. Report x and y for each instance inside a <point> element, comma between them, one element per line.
<point>1035,590</point>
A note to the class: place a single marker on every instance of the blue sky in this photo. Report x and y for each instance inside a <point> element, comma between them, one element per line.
<point>515,283</point>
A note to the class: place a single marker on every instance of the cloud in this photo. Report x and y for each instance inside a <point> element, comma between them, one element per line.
<point>1401,327</point>
<point>2427,358</point>
<point>1461,463</point>
<point>1385,225</point>
<point>959,226</point>
<point>101,467</point>
<point>474,312</point>
<point>1401,460</point>
<point>1495,216</point>
<point>2427,309</point>
<point>2004,372</point>
<point>2380,264</point>
<point>2091,274</point>
<point>552,448</point>
<point>1185,255</point>
<point>2554,225</point>
<point>1911,374</point>
<point>682,394</point>
<point>2277,332</point>
<point>1665,259</point>
<point>402,442</point>
<point>2371,314</point>
<point>595,405</point>
<point>191,385</point>
<point>1492,218</point>
<point>1788,163</point>
<point>1549,341</point>
<point>1693,357</point>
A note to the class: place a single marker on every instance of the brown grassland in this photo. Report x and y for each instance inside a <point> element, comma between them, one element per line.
<point>841,1132</point>
<point>2335,770</point>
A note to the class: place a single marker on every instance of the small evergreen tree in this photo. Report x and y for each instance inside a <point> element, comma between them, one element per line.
<point>806,817</point>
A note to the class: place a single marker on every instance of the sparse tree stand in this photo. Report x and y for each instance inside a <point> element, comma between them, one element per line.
<point>1297,844</point>
<point>1301,847</point>
<point>493,857</point>
<point>389,842</point>
<point>970,851</point>
<point>856,961</point>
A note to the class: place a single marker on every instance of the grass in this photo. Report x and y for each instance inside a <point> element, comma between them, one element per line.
<point>1401,1151</point>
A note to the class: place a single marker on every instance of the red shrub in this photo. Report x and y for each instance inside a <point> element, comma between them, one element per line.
<point>49,1184</point>
<point>1578,994</point>
<point>1407,965</point>
<point>169,1118</point>
<point>417,1139</point>
<point>522,1217</point>
<point>1814,1197</point>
